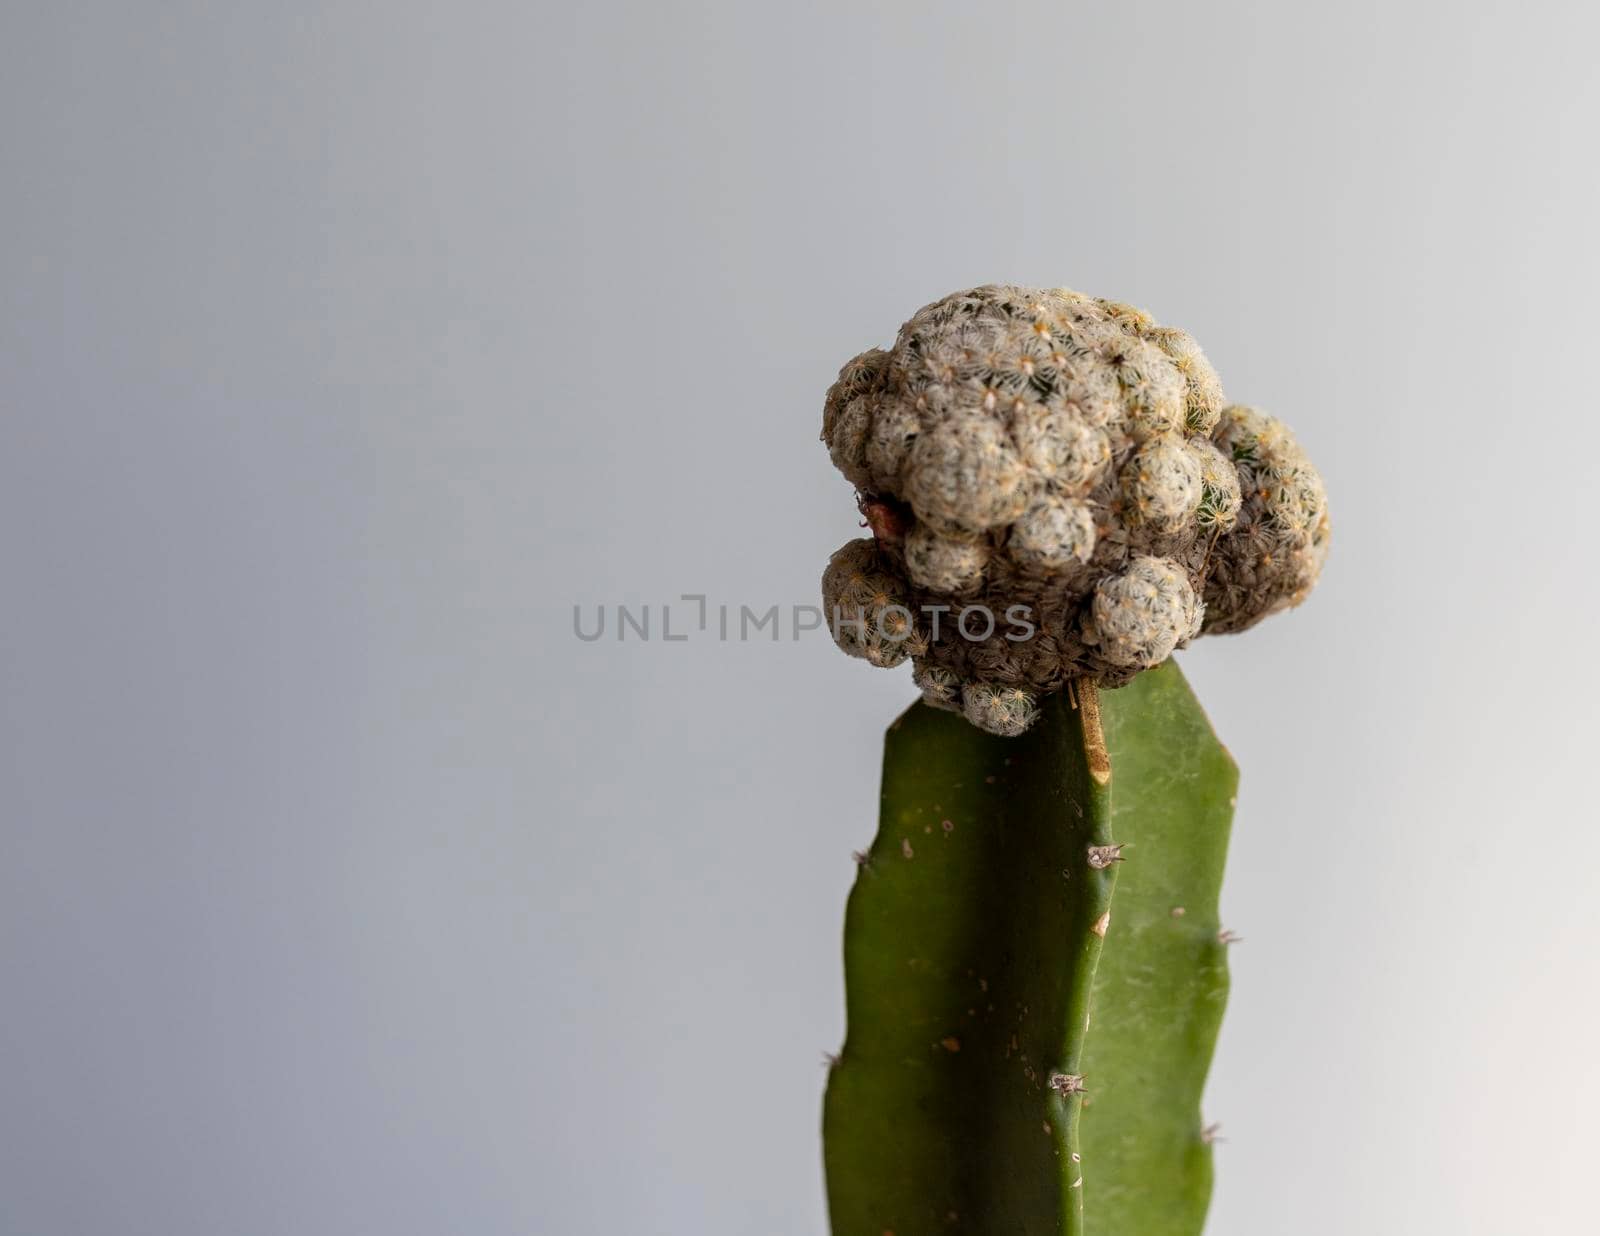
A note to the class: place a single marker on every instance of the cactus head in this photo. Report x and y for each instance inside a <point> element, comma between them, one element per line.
<point>1065,459</point>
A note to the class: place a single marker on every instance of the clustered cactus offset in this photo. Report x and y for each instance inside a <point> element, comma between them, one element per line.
<point>1057,489</point>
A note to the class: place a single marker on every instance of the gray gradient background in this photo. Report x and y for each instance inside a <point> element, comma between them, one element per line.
<point>343,347</point>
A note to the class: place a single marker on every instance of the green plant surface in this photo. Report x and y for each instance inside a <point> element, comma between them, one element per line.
<point>1162,981</point>
<point>977,937</point>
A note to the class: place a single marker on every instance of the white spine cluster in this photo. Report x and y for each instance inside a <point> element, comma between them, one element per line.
<point>1068,455</point>
<point>1054,535</point>
<point>944,564</point>
<point>1141,614</point>
<point>867,606</point>
<point>1275,549</point>
<point>1006,711</point>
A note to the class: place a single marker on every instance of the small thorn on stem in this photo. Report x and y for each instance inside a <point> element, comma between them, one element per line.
<point>1067,1083</point>
<point>1228,936</point>
<point>830,1059</point>
<point>863,859</point>
<point>1211,1134</point>
<point>1102,856</point>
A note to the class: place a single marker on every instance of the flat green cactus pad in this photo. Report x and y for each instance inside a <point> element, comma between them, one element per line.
<point>998,957</point>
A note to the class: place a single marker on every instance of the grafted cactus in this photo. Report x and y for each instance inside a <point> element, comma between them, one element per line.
<point>1059,496</point>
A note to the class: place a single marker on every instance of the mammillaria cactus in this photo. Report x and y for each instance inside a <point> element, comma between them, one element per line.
<point>1059,496</point>
<point>1056,490</point>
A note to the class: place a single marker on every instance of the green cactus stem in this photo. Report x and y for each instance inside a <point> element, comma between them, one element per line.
<point>1035,974</point>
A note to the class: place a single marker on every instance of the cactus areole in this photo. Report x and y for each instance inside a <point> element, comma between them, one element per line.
<point>1058,495</point>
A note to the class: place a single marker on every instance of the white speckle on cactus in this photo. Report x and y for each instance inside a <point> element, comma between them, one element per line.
<point>1139,616</point>
<point>865,606</point>
<point>1153,389</point>
<point>1203,388</point>
<point>1272,556</point>
<point>895,427</point>
<point>1059,447</point>
<point>1053,535</point>
<point>944,564</point>
<point>1161,483</point>
<point>964,476</point>
<point>1007,711</point>
<point>940,687</point>
<point>1219,487</point>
